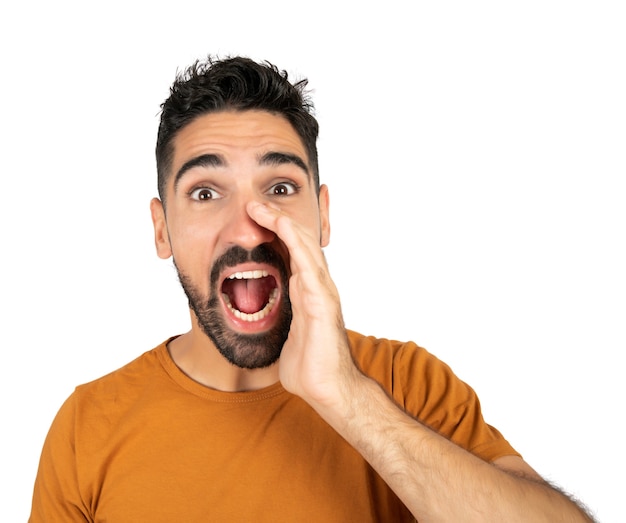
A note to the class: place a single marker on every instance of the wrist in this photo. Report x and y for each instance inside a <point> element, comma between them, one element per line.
<point>351,395</point>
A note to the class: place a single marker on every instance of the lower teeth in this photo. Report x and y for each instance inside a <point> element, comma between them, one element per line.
<point>256,316</point>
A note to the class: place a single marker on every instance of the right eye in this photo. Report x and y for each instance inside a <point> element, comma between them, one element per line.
<point>204,193</point>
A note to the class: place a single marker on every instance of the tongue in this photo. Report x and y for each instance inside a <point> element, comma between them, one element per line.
<point>248,296</point>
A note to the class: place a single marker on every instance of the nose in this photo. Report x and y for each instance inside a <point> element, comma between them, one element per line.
<point>242,230</point>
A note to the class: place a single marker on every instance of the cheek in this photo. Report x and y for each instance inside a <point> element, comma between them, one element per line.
<point>193,248</point>
<point>313,223</point>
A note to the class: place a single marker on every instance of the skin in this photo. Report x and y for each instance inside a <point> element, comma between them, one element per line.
<point>197,232</point>
<point>437,480</point>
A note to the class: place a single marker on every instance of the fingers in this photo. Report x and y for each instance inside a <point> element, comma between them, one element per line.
<point>315,356</point>
<point>270,217</point>
<point>310,277</point>
<point>300,243</point>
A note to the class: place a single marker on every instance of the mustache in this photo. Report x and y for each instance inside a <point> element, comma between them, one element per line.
<point>263,253</point>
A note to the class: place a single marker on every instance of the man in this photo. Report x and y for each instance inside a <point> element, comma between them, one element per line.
<point>268,409</point>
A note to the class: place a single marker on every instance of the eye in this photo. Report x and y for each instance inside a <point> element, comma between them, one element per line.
<point>204,193</point>
<point>283,189</point>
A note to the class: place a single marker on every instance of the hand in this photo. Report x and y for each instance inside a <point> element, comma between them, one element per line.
<point>315,363</point>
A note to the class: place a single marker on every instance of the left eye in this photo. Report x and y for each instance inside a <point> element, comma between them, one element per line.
<point>283,189</point>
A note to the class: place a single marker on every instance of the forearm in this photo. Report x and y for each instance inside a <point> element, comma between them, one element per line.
<point>436,479</point>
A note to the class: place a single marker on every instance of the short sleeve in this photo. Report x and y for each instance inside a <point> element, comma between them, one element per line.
<point>56,495</point>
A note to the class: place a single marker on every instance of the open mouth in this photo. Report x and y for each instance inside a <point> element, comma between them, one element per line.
<point>250,295</point>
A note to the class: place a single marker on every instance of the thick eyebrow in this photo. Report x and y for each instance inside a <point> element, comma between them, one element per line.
<point>215,160</point>
<point>204,160</point>
<point>278,158</point>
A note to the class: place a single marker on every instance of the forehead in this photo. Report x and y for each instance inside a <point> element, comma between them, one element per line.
<point>233,133</point>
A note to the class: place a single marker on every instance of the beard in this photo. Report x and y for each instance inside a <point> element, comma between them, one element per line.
<point>247,351</point>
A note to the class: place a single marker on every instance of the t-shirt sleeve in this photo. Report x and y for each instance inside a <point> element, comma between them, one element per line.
<point>433,394</point>
<point>427,389</point>
<point>56,495</point>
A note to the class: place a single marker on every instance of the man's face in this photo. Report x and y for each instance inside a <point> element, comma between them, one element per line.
<point>235,272</point>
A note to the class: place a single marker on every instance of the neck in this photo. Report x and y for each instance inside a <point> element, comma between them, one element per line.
<point>196,355</point>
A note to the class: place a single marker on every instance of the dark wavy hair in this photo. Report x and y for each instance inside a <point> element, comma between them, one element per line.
<point>239,84</point>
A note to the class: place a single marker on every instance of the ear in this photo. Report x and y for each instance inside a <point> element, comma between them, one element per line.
<point>161,236</point>
<point>324,216</point>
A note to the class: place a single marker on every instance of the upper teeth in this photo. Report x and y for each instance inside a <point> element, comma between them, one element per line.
<point>248,275</point>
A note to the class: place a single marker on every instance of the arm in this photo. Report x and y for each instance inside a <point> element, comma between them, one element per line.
<point>56,495</point>
<point>436,479</point>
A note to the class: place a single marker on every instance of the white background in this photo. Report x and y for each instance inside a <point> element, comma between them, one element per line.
<point>475,153</point>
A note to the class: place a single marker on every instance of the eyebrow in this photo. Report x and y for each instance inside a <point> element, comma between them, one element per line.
<point>216,160</point>
<point>278,158</point>
<point>204,160</point>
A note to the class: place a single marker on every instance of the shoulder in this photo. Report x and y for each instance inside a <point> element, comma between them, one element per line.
<point>380,357</point>
<point>96,407</point>
<point>427,389</point>
<point>122,386</point>
<point>415,378</point>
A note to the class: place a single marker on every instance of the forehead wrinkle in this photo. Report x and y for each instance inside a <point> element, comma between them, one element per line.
<point>204,160</point>
<point>279,158</point>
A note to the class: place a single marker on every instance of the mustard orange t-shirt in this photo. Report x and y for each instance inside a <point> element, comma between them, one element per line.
<point>147,443</point>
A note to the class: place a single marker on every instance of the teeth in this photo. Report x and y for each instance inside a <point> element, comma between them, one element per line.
<point>248,275</point>
<point>257,315</point>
